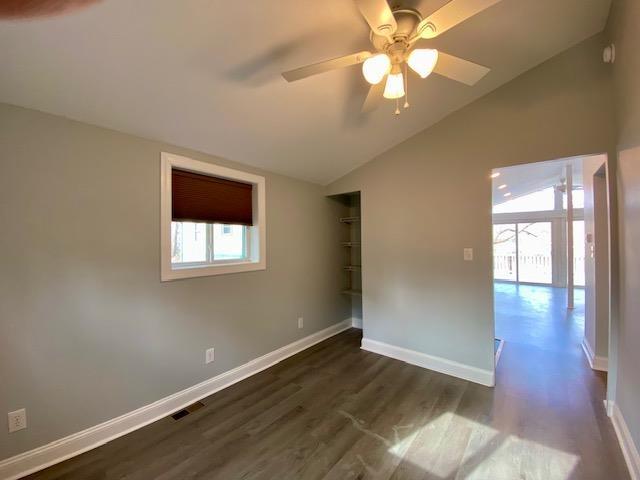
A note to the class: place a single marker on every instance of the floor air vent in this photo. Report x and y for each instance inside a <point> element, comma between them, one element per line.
<point>186,411</point>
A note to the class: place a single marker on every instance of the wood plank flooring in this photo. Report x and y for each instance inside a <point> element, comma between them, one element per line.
<point>337,412</point>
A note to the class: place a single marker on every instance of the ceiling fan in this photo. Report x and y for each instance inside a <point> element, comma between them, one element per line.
<point>14,9</point>
<point>394,35</point>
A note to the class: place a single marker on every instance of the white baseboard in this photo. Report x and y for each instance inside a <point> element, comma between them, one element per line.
<point>55,452</point>
<point>608,406</point>
<point>442,365</point>
<point>629,449</point>
<point>595,362</point>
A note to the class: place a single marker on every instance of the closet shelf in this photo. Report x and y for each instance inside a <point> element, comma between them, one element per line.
<point>354,293</point>
<point>349,219</point>
<point>352,268</point>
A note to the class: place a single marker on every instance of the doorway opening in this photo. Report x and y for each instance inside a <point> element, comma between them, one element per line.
<point>550,259</point>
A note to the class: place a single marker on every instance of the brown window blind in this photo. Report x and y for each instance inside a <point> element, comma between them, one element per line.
<point>201,198</point>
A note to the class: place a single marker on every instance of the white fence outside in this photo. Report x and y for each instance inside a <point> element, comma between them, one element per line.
<point>532,268</point>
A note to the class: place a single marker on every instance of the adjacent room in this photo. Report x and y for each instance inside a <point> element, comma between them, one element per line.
<point>551,256</point>
<point>349,239</point>
<point>532,228</point>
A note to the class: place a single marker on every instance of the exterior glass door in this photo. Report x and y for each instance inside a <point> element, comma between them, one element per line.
<point>534,252</point>
<point>522,252</point>
<point>505,263</point>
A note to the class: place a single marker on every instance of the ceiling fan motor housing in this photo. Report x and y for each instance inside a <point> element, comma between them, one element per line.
<point>397,46</point>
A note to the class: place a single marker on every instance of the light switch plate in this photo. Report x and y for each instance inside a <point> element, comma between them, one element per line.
<point>209,355</point>
<point>300,322</point>
<point>468,254</point>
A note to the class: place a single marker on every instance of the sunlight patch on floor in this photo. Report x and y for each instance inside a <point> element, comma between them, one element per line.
<point>488,454</point>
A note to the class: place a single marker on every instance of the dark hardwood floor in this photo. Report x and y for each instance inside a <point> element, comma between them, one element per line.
<point>337,412</point>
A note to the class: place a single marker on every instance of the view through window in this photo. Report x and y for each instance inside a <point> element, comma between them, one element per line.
<point>505,252</point>
<point>540,201</point>
<point>578,253</point>
<point>534,252</point>
<point>522,252</point>
<point>203,243</point>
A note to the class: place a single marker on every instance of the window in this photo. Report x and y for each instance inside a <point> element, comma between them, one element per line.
<point>534,252</point>
<point>212,219</point>
<point>207,243</point>
<point>505,261</point>
<point>578,253</point>
<point>542,200</point>
<point>578,199</point>
<point>522,252</point>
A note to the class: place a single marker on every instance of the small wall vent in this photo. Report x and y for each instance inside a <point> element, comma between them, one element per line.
<point>187,410</point>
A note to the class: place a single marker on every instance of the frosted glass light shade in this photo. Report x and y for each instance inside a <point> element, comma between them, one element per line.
<point>423,61</point>
<point>375,68</point>
<point>394,87</point>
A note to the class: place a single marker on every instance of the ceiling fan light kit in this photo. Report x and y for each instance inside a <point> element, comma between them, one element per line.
<point>394,88</point>
<point>375,68</point>
<point>423,61</point>
<point>394,35</point>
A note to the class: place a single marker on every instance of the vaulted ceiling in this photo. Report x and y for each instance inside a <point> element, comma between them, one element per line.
<point>524,179</point>
<point>205,74</point>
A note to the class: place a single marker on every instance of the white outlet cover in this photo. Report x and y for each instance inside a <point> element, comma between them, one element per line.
<point>17,420</point>
<point>300,322</point>
<point>209,355</point>
<point>468,254</point>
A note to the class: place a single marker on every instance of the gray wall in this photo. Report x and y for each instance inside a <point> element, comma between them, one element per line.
<point>623,30</point>
<point>426,199</point>
<point>88,332</point>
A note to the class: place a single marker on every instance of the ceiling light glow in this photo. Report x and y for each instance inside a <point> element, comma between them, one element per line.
<point>504,185</point>
<point>508,194</point>
<point>394,87</point>
<point>375,68</point>
<point>423,61</point>
<point>495,175</point>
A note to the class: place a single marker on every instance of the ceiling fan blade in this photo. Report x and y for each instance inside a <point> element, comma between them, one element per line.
<point>459,69</point>
<point>373,98</point>
<point>321,67</point>
<point>450,15</point>
<point>378,15</point>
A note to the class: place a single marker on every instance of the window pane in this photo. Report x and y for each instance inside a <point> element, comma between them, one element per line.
<point>578,199</point>
<point>229,242</point>
<point>534,252</point>
<point>504,252</point>
<point>188,242</point>
<point>543,200</point>
<point>578,253</point>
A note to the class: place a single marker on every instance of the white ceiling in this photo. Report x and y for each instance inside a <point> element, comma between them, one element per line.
<point>205,74</point>
<point>532,177</point>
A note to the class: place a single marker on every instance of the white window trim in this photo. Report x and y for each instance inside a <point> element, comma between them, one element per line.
<point>257,232</point>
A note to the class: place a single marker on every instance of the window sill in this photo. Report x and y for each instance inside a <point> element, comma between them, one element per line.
<point>210,270</point>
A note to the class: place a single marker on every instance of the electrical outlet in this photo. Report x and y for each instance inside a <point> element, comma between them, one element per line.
<point>209,355</point>
<point>300,322</point>
<point>17,420</point>
<point>468,254</point>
